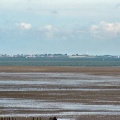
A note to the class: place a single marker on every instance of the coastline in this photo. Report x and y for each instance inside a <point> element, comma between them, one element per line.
<point>88,70</point>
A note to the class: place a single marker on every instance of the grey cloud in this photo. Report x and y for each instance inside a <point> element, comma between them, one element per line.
<point>117,5</point>
<point>54,12</point>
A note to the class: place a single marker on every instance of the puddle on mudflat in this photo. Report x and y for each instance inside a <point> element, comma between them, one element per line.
<point>55,84</point>
<point>52,90</point>
<point>38,104</point>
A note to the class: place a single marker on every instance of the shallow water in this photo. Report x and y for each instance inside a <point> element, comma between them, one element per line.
<point>46,105</point>
<point>66,95</point>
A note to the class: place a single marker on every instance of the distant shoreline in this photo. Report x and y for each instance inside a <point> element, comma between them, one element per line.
<point>89,70</point>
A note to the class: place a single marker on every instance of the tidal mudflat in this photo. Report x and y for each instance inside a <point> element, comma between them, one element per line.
<point>62,94</point>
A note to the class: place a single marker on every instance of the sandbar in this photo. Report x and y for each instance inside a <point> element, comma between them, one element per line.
<point>89,70</point>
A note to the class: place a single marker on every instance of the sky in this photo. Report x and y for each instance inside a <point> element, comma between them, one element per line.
<point>60,26</point>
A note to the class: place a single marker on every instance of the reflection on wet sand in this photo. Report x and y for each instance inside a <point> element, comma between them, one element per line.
<point>66,95</point>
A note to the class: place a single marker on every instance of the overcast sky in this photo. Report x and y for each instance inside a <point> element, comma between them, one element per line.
<point>60,26</point>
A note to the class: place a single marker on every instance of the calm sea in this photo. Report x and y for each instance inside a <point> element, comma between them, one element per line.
<point>59,62</point>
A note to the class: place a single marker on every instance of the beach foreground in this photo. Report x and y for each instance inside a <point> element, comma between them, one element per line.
<point>81,93</point>
<point>85,117</point>
<point>89,70</point>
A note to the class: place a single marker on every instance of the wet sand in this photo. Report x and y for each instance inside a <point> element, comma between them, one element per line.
<point>89,70</point>
<point>82,93</point>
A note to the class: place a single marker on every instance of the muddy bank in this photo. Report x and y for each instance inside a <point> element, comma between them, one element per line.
<point>88,70</point>
<point>62,94</point>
